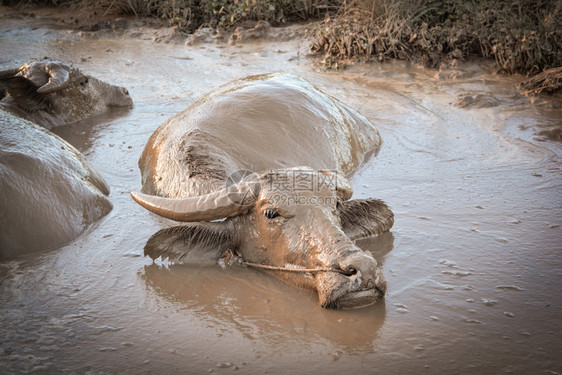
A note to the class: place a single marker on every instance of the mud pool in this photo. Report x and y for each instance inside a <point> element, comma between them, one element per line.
<point>473,262</point>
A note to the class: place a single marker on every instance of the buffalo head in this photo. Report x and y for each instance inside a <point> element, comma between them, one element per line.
<point>289,219</point>
<point>53,93</point>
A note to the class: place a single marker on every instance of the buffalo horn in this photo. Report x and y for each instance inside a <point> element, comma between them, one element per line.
<point>232,201</point>
<point>59,77</point>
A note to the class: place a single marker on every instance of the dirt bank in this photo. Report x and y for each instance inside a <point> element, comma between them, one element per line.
<point>522,36</point>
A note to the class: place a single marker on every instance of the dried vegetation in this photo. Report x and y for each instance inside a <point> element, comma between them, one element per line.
<point>189,15</point>
<point>522,36</point>
<point>548,81</point>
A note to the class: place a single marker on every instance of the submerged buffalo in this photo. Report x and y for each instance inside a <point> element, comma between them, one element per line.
<point>237,154</point>
<point>51,93</point>
<point>49,192</point>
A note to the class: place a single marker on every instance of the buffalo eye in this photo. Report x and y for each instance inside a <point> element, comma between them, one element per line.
<point>271,214</point>
<point>84,82</point>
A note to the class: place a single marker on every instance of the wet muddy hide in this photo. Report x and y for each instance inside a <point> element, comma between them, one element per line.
<point>49,192</point>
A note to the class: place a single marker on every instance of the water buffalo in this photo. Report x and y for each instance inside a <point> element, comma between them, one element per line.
<point>51,94</point>
<point>49,193</point>
<point>293,221</point>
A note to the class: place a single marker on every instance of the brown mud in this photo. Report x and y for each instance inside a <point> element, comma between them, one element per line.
<point>472,264</point>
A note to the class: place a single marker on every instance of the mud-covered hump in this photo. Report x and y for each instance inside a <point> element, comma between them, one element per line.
<point>49,192</point>
<point>281,120</point>
<point>198,158</point>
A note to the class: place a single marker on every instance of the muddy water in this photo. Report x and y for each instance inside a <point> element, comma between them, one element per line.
<point>473,262</point>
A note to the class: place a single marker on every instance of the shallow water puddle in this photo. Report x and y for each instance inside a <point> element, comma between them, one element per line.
<point>473,262</point>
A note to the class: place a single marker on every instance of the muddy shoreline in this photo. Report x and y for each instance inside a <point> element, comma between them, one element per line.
<point>472,263</point>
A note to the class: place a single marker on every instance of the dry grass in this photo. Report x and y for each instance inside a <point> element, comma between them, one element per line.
<point>548,81</point>
<point>523,36</point>
<point>192,14</point>
<point>189,15</point>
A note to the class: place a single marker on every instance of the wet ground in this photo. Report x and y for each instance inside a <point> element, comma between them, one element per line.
<point>473,263</point>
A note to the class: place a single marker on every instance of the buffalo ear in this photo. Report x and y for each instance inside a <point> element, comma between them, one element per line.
<point>195,243</point>
<point>365,217</point>
<point>24,92</point>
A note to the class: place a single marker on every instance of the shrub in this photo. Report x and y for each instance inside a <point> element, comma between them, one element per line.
<point>521,35</point>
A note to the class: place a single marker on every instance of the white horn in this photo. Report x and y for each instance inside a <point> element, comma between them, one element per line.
<point>59,77</point>
<point>228,202</point>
